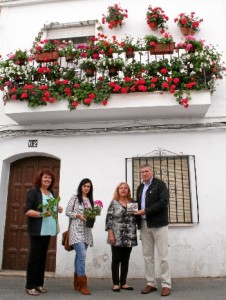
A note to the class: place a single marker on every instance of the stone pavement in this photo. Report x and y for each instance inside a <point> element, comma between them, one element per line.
<point>12,288</point>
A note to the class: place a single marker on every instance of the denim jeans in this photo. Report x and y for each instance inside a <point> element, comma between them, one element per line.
<point>80,258</point>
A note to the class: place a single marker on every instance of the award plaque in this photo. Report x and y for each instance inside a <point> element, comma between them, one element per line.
<point>131,207</point>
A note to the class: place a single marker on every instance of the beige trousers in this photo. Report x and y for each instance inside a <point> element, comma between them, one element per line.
<point>155,238</point>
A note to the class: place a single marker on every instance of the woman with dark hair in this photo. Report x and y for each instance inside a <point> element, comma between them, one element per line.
<point>122,235</point>
<point>41,226</point>
<point>80,236</point>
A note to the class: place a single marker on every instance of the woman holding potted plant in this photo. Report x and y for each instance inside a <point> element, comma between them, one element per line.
<point>42,224</point>
<point>80,236</point>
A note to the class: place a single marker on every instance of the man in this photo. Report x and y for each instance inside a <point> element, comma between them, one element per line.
<point>153,198</point>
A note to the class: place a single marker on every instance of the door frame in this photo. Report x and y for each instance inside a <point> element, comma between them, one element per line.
<point>4,183</point>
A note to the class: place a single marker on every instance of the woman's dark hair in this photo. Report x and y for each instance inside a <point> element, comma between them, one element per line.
<point>89,195</point>
<point>38,178</point>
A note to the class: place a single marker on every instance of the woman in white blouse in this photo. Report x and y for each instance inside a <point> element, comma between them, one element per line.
<point>80,236</point>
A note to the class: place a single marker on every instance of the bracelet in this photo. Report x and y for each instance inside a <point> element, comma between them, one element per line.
<point>40,215</point>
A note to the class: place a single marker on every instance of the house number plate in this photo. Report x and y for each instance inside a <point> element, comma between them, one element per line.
<point>33,143</point>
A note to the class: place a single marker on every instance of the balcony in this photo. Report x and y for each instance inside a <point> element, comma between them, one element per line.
<point>134,106</point>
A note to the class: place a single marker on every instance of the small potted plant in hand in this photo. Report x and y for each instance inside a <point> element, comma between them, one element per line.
<point>91,213</point>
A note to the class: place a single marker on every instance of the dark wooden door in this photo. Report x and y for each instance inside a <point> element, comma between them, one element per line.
<point>16,241</point>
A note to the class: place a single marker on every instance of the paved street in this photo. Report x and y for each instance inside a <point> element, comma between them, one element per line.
<point>12,288</point>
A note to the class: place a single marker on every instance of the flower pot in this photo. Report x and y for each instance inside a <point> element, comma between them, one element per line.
<point>129,52</point>
<point>187,31</point>
<point>113,71</point>
<point>21,62</point>
<point>90,223</point>
<point>162,48</point>
<point>153,26</point>
<point>69,58</point>
<point>46,56</point>
<point>108,54</point>
<point>90,72</point>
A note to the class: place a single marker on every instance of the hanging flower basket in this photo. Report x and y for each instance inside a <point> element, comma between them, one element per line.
<point>153,26</point>
<point>90,72</point>
<point>69,58</point>
<point>129,52</point>
<point>187,31</point>
<point>160,48</point>
<point>113,71</point>
<point>46,56</point>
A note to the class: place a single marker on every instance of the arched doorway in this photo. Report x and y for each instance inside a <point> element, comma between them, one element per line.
<point>16,243</point>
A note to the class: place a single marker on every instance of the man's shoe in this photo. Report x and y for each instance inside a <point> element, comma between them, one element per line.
<point>148,289</point>
<point>165,291</point>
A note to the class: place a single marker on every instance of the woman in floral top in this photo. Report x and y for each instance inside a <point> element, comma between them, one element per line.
<point>122,235</point>
<point>80,236</point>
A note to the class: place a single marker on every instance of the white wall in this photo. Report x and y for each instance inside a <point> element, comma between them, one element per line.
<point>197,250</point>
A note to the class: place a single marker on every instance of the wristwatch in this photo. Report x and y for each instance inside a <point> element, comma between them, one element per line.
<point>40,215</point>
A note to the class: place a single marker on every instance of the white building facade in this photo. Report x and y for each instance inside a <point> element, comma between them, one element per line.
<point>95,141</point>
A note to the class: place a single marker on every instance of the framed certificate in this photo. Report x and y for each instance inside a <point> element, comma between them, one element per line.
<point>131,207</point>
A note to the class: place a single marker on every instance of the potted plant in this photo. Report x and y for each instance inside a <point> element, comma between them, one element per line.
<point>20,57</point>
<point>134,69</point>
<point>46,50</point>
<point>68,50</point>
<point>112,64</point>
<point>128,45</point>
<point>89,66</point>
<point>189,24</point>
<point>156,18</point>
<point>115,16</point>
<point>91,213</point>
<point>163,45</point>
<point>191,44</point>
<point>107,46</point>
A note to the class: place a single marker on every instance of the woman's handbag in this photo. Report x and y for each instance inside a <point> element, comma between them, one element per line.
<point>65,236</point>
<point>65,240</point>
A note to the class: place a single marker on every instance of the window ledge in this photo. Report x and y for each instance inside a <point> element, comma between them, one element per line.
<point>120,107</point>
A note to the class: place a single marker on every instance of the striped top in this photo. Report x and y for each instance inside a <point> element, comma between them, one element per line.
<point>78,230</point>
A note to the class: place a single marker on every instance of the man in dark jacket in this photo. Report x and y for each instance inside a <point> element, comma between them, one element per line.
<point>152,220</point>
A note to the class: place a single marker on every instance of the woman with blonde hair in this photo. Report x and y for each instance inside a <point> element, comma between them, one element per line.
<point>122,236</point>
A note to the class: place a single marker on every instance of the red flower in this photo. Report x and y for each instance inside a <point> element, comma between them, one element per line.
<point>87,101</point>
<point>105,102</point>
<point>52,99</point>
<point>124,90</point>
<point>24,95</point>
<point>47,94</point>
<point>92,96</point>
<point>142,88</point>
<point>43,87</point>
<point>74,103</point>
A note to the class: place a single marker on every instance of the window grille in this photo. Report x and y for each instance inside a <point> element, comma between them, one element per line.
<point>179,174</point>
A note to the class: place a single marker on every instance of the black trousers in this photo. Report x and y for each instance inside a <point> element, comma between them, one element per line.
<point>120,260</point>
<point>36,261</point>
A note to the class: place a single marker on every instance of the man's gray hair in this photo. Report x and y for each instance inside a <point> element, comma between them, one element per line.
<point>146,166</point>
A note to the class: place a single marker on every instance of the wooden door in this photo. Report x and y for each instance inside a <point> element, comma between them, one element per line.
<point>16,241</point>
